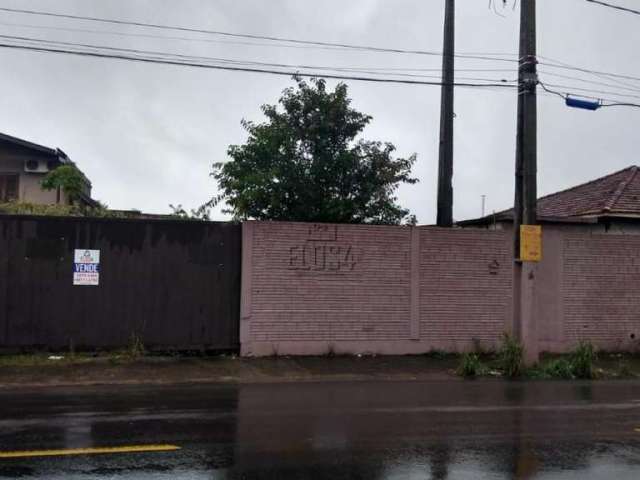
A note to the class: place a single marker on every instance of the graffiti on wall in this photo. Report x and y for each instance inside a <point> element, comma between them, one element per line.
<point>322,252</point>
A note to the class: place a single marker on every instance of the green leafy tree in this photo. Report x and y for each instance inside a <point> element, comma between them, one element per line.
<point>306,163</point>
<point>68,178</point>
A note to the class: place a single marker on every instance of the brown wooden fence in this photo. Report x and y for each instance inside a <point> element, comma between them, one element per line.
<point>171,284</point>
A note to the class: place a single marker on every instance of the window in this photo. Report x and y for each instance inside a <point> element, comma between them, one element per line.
<point>8,187</point>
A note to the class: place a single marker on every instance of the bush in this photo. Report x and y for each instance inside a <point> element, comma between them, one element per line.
<point>25,208</point>
<point>510,356</point>
<point>470,365</point>
<point>582,359</point>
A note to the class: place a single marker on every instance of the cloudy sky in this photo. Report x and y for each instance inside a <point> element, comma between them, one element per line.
<point>147,134</point>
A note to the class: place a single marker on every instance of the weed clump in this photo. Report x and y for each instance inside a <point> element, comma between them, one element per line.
<point>470,366</point>
<point>556,368</point>
<point>511,357</point>
<point>582,359</point>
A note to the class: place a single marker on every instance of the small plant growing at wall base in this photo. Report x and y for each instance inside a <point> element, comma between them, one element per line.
<point>135,349</point>
<point>582,360</point>
<point>470,366</point>
<point>510,356</point>
<point>556,368</point>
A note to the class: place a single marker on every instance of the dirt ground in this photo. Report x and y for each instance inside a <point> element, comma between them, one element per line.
<point>121,368</point>
<point>50,370</point>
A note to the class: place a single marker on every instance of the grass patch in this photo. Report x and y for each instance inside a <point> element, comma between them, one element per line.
<point>553,368</point>
<point>579,364</point>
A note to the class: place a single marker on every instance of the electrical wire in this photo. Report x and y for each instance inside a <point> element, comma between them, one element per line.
<point>602,75</point>
<point>186,63</point>
<point>210,40</point>
<point>253,66</point>
<point>615,7</point>
<point>252,36</point>
<point>613,102</point>
<point>161,37</point>
<point>592,82</point>
<point>309,43</point>
<point>586,70</point>
<point>165,55</point>
<point>604,92</point>
<point>250,66</point>
<point>636,105</point>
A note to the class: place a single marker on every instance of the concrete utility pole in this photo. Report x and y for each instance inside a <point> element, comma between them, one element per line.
<point>526,179</point>
<point>445,162</point>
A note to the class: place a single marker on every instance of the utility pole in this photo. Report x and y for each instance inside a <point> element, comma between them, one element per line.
<point>526,141</point>
<point>445,161</point>
<point>526,180</point>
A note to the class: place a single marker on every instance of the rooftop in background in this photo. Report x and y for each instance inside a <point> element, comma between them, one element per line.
<point>54,152</point>
<point>23,164</point>
<point>613,196</point>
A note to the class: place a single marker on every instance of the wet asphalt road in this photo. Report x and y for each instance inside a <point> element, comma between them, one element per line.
<point>367,430</point>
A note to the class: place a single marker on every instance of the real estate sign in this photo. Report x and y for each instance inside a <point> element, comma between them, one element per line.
<point>86,267</point>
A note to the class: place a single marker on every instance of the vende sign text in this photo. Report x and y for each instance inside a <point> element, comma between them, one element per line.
<point>86,267</point>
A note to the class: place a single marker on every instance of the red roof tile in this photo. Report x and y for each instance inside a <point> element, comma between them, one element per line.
<point>615,194</point>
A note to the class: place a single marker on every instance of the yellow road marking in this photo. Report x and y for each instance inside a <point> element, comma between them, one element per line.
<point>89,451</point>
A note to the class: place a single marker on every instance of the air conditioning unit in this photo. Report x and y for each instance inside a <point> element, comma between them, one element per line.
<point>36,166</point>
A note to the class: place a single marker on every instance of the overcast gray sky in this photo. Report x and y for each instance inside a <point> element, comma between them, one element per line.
<point>146,135</point>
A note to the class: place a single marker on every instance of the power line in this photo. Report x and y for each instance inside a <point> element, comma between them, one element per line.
<point>613,102</point>
<point>164,55</point>
<point>259,67</point>
<point>162,37</point>
<point>604,92</point>
<point>604,76</point>
<point>471,55</point>
<point>208,40</point>
<point>166,61</point>
<point>586,70</point>
<point>636,105</point>
<point>615,7</point>
<point>298,42</point>
<point>309,43</point>
<point>246,35</point>
<point>592,82</point>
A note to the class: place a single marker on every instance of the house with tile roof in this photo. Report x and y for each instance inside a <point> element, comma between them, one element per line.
<point>609,204</point>
<point>23,166</point>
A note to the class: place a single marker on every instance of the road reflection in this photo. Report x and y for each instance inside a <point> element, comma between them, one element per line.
<point>376,430</point>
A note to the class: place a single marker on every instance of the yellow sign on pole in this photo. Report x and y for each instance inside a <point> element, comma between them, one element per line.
<point>530,243</point>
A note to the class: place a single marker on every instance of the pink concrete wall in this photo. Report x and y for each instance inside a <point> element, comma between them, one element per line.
<point>316,289</point>
<point>601,290</point>
<point>465,286</point>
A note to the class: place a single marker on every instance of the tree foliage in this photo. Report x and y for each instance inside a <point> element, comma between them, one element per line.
<point>68,178</point>
<point>307,162</point>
